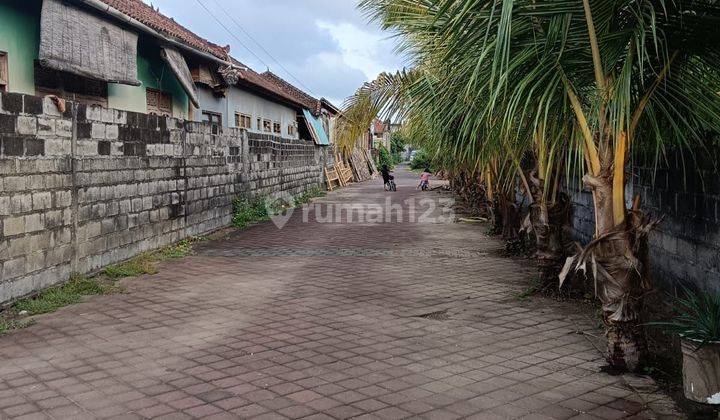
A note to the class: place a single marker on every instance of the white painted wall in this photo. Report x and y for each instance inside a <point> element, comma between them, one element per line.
<point>245,102</point>
<point>210,102</point>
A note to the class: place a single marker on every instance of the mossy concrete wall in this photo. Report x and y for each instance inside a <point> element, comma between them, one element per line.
<point>685,247</point>
<point>95,186</point>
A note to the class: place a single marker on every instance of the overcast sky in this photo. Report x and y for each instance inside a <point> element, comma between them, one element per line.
<point>326,44</point>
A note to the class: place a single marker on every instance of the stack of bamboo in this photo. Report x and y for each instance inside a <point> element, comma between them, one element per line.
<point>363,167</point>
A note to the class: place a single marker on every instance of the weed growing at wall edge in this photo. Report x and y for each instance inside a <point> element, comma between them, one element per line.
<point>248,210</point>
<point>146,263</point>
<point>307,196</point>
<point>79,286</point>
<point>142,264</point>
<point>69,293</point>
<point>7,325</point>
<point>52,299</point>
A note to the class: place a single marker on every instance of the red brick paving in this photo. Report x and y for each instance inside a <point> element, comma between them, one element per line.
<point>323,321</point>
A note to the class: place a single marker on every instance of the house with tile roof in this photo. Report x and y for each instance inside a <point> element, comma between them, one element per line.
<point>132,57</point>
<point>323,112</point>
<point>244,98</point>
<point>125,54</point>
<point>380,134</point>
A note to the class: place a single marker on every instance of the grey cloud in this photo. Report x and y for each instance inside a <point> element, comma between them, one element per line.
<point>288,30</point>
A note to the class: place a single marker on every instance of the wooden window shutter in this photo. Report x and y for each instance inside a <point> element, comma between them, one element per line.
<point>158,102</point>
<point>4,74</point>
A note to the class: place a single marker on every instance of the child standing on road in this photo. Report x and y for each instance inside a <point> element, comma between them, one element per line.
<point>425,179</point>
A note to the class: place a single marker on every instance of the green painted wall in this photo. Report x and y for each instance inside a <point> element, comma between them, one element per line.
<point>19,38</point>
<point>153,73</point>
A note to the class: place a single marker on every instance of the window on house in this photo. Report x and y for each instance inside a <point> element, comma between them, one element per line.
<point>70,86</point>
<point>4,76</point>
<point>277,128</point>
<point>292,129</point>
<point>243,121</point>
<point>259,124</point>
<point>267,126</point>
<point>158,102</point>
<point>212,117</point>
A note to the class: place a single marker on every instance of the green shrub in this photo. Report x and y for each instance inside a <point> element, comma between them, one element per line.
<point>397,147</point>
<point>698,317</point>
<point>247,210</point>
<point>421,161</point>
<point>305,197</point>
<point>384,158</point>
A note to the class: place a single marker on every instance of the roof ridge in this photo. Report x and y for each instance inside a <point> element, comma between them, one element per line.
<point>304,98</point>
<point>289,85</point>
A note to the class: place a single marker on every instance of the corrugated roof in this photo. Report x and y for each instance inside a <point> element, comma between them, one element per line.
<point>317,130</point>
<point>145,14</point>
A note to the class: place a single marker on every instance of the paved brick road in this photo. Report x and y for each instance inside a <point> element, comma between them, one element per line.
<point>323,320</point>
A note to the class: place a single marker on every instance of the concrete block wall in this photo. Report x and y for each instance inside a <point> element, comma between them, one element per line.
<point>36,196</point>
<point>90,187</point>
<point>685,247</point>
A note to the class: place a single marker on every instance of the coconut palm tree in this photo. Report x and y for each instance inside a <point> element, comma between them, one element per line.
<point>448,116</point>
<point>602,76</point>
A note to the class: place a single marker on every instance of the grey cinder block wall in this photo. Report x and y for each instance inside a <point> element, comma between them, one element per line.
<point>91,186</point>
<point>685,191</point>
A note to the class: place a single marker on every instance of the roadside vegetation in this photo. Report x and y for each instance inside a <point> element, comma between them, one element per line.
<point>249,210</point>
<point>307,196</point>
<point>49,300</point>
<point>524,97</point>
<point>384,158</point>
<point>79,287</point>
<point>146,263</point>
<point>395,155</point>
<point>420,161</point>
<point>397,147</point>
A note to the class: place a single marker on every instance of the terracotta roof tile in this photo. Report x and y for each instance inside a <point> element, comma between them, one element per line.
<point>253,78</point>
<point>312,104</point>
<point>379,127</point>
<point>145,14</point>
<point>267,81</point>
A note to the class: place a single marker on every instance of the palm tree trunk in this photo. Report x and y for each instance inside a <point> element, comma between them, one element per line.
<point>547,220</point>
<point>618,260</point>
<point>510,216</point>
<point>548,223</point>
